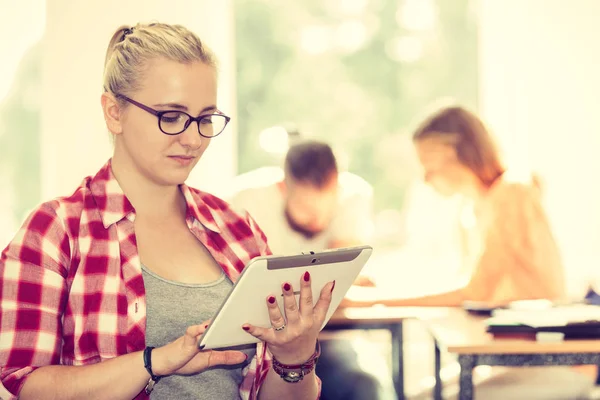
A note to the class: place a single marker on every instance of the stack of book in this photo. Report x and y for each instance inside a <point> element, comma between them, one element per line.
<point>576,321</point>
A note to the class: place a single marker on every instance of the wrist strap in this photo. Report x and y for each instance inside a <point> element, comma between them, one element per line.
<point>148,365</point>
<point>300,369</point>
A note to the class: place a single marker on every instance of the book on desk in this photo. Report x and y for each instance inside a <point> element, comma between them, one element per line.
<point>575,321</point>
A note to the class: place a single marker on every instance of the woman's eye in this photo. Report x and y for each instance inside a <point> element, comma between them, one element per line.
<point>171,118</point>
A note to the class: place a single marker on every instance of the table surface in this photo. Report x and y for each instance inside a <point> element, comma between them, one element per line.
<point>459,332</point>
<point>381,315</point>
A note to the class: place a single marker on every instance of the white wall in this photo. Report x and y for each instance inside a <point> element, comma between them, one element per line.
<point>75,141</point>
<point>540,92</point>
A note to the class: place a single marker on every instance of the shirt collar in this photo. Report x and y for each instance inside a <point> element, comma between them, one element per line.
<point>113,205</point>
<point>201,208</point>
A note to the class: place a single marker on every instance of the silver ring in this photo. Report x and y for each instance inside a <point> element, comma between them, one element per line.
<point>282,327</point>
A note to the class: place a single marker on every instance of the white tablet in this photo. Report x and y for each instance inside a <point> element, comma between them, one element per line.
<point>246,303</point>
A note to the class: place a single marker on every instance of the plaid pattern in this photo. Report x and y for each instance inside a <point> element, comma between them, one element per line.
<point>71,289</point>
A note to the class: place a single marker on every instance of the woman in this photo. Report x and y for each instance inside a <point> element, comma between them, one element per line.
<point>518,258</point>
<point>89,282</point>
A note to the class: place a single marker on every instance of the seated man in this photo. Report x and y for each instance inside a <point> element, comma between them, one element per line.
<point>311,206</point>
<point>308,205</point>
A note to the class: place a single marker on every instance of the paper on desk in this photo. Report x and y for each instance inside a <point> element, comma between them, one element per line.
<point>555,316</point>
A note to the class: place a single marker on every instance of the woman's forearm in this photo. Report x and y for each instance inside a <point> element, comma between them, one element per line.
<point>122,377</point>
<point>446,299</point>
<point>275,388</point>
<point>372,297</point>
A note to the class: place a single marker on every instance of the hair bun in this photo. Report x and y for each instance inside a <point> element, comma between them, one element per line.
<point>126,31</point>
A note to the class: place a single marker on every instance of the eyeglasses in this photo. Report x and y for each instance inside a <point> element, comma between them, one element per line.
<point>175,122</point>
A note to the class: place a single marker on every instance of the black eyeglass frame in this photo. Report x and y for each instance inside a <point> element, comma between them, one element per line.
<point>191,119</point>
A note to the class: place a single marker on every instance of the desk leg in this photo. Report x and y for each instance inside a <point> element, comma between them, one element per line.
<point>437,390</point>
<point>398,360</point>
<point>467,363</point>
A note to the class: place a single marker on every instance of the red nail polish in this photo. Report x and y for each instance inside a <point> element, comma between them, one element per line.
<point>333,286</point>
<point>271,299</point>
<point>205,326</point>
<point>306,276</point>
<point>287,287</point>
<point>246,328</point>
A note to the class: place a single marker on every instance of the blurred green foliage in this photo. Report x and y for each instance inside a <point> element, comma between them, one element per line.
<point>357,93</point>
<point>20,135</point>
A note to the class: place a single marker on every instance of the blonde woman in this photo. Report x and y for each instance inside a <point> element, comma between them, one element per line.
<point>105,292</point>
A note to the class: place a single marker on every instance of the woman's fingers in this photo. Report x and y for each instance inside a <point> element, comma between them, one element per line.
<point>306,298</point>
<point>297,318</point>
<point>275,315</point>
<point>276,318</point>
<point>193,332</point>
<point>322,306</point>
<point>226,357</point>
<point>209,358</point>
<point>263,334</point>
<point>290,305</point>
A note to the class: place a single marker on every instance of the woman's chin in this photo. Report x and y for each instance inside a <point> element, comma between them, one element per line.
<point>173,179</point>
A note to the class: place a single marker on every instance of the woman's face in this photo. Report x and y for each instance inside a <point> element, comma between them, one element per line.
<point>166,85</point>
<point>442,170</point>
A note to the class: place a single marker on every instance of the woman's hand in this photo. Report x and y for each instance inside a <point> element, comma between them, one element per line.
<point>183,357</point>
<point>292,337</point>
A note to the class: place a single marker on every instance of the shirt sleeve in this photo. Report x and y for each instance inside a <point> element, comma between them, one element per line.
<point>33,294</point>
<point>353,223</point>
<point>259,236</point>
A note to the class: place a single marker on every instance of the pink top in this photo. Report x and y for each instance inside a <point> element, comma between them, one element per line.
<point>519,258</point>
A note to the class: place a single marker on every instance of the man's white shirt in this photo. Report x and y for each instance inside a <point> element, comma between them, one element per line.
<point>257,193</point>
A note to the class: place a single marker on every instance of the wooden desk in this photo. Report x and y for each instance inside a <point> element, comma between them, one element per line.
<point>460,333</point>
<point>386,318</point>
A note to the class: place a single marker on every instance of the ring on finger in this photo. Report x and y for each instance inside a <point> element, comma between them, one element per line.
<point>279,328</point>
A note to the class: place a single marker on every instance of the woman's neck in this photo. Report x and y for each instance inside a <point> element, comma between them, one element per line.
<point>148,198</point>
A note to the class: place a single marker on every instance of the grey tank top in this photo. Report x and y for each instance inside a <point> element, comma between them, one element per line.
<point>170,308</point>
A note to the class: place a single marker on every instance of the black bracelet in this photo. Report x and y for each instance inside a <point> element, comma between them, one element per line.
<point>148,363</point>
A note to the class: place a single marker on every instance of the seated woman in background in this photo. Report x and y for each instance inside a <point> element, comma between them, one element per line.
<point>518,258</point>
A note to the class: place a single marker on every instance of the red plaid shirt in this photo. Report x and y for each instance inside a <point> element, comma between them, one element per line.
<point>71,289</point>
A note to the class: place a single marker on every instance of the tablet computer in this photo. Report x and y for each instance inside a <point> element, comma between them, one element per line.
<point>247,301</point>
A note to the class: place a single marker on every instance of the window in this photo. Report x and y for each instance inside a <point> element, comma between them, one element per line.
<point>355,73</point>
<point>20,75</point>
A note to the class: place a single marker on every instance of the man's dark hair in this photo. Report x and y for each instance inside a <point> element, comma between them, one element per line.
<point>311,162</point>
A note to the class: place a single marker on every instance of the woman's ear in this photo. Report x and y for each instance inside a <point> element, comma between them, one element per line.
<point>281,185</point>
<point>112,113</point>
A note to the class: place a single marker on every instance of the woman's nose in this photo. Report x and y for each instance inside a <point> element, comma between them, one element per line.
<point>191,137</point>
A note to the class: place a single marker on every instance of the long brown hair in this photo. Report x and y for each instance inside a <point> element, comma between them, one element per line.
<point>473,143</point>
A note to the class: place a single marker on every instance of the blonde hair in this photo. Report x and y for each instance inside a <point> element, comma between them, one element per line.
<point>467,134</point>
<point>132,48</point>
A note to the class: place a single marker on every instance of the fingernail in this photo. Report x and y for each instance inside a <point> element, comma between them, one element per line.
<point>246,328</point>
<point>272,299</point>
<point>287,286</point>
<point>205,326</point>
<point>306,276</point>
<point>246,355</point>
<point>332,286</point>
